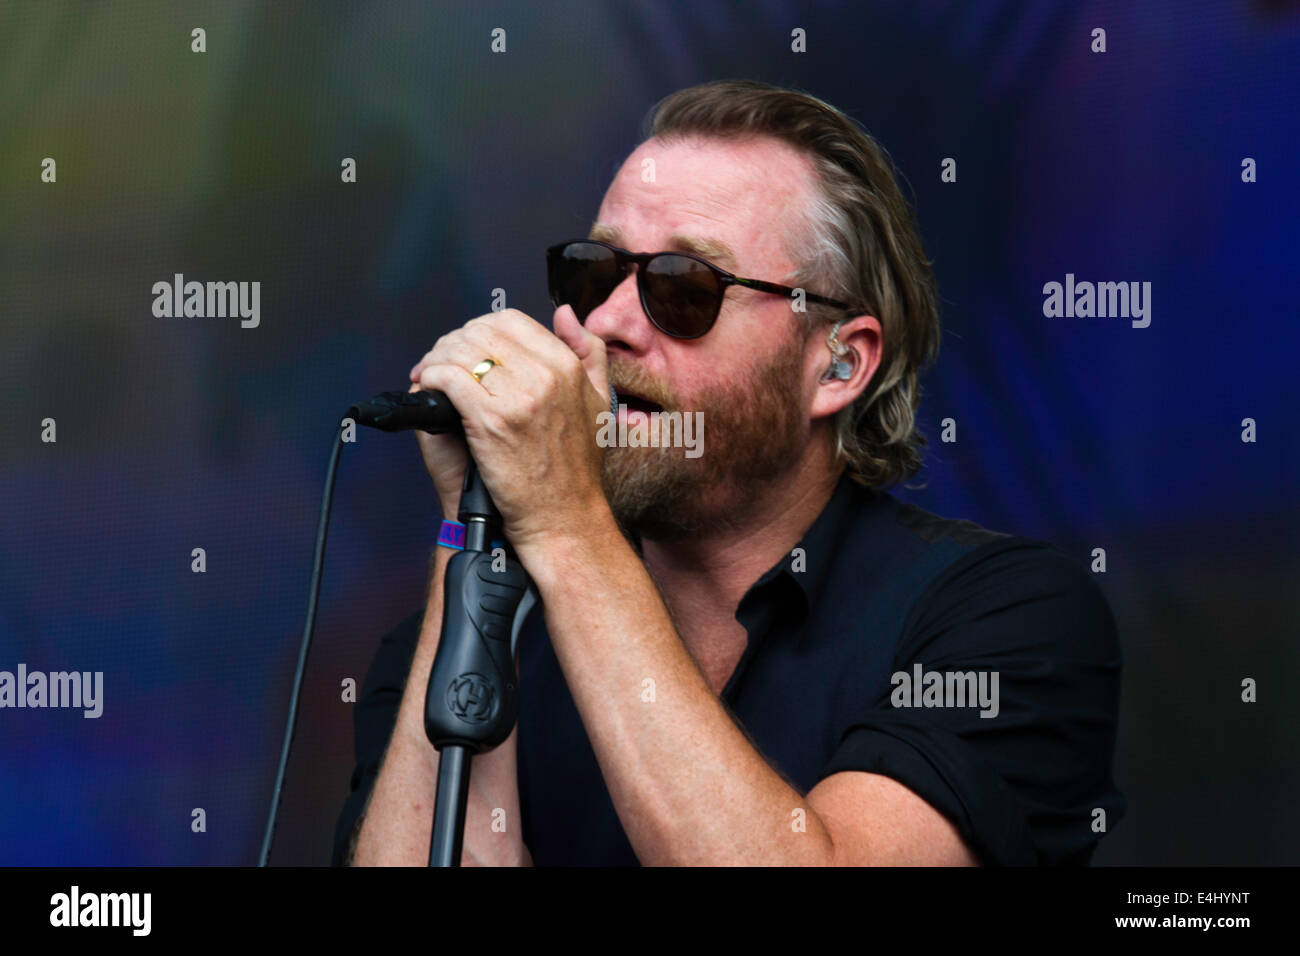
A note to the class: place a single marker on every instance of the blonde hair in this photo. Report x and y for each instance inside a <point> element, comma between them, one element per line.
<point>862,246</point>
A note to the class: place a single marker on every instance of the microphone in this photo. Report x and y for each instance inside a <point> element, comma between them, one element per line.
<point>424,411</point>
<point>402,411</point>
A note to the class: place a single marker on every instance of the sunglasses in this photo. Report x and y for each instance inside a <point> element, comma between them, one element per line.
<point>680,293</point>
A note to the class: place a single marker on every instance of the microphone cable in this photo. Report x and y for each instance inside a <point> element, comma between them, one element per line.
<point>300,671</point>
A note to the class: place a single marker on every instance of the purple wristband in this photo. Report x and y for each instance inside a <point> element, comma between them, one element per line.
<point>452,535</point>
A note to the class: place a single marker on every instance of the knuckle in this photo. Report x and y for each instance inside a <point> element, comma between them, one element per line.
<point>528,406</point>
<point>478,335</point>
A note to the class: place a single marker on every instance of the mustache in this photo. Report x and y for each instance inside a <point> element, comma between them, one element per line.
<point>632,379</point>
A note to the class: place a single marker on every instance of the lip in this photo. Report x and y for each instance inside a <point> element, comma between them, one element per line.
<point>632,399</point>
<point>629,415</point>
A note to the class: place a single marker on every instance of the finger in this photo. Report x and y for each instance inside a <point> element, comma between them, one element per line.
<point>589,347</point>
<point>428,358</point>
<point>525,332</point>
<point>508,333</point>
<point>467,395</point>
<point>473,331</point>
<point>467,347</point>
<point>450,348</point>
<point>418,367</point>
<point>496,341</point>
<point>511,365</point>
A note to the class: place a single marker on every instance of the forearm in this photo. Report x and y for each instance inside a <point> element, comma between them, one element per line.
<point>688,785</point>
<point>398,820</point>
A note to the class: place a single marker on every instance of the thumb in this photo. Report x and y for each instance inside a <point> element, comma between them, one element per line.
<point>589,348</point>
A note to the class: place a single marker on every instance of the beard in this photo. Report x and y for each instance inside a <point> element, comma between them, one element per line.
<point>755,431</point>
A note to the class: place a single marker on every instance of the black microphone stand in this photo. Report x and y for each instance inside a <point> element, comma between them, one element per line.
<point>472,701</point>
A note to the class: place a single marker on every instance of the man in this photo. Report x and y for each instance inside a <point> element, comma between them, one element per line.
<point>734,658</point>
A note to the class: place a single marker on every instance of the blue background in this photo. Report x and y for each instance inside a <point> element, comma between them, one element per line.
<point>183,433</point>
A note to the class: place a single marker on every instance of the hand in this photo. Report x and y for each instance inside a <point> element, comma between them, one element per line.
<point>445,458</point>
<point>530,423</point>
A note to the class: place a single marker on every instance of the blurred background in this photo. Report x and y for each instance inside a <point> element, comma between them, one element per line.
<point>181,433</point>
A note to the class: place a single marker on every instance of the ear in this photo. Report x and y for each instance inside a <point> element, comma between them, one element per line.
<point>863,335</point>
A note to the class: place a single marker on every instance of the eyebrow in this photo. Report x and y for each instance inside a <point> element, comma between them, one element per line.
<point>715,250</point>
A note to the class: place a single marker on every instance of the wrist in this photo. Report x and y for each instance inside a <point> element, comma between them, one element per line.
<point>570,548</point>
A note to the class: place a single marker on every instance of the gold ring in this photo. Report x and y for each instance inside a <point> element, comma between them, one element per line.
<point>482,368</point>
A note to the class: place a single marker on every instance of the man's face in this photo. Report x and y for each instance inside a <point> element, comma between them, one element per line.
<point>737,204</point>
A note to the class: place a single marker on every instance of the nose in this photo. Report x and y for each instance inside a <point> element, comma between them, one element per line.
<point>620,320</point>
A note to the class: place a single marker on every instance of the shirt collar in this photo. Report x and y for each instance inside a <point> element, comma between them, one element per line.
<point>799,579</point>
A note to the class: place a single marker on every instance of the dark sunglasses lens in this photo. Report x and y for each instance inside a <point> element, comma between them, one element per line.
<point>684,296</point>
<point>582,275</point>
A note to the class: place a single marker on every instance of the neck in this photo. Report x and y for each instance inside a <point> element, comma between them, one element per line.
<point>705,577</point>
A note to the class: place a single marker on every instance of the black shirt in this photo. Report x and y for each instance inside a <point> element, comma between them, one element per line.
<point>875,588</point>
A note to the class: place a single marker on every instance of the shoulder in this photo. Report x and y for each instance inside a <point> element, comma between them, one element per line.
<point>1022,775</point>
<point>932,528</point>
<point>1008,588</point>
<point>1028,594</point>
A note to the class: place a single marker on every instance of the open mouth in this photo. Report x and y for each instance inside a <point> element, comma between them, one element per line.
<point>635,403</point>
